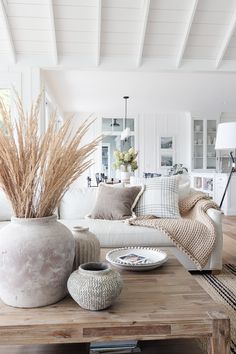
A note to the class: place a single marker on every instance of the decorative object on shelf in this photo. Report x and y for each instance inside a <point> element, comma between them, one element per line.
<point>87,246</point>
<point>178,169</point>
<point>226,140</point>
<point>126,132</point>
<point>95,286</point>
<point>136,258</point>
<point>125,161</point>
<point>151,174</point>
<point>37,251</point>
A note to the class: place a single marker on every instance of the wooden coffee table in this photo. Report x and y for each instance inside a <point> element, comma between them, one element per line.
<point>165,303</point>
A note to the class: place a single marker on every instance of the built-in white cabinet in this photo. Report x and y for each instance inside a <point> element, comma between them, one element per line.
<point>203,144</point>
<point>229,204</point>
<point>214,185</point>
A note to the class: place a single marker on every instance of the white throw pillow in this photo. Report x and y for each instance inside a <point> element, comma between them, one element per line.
<point>184,184</point>
<point>6,211</point>
<point>160,197</point>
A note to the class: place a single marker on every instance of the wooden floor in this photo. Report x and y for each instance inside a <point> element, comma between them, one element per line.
<point>163,347</point>
<point>229,231</point>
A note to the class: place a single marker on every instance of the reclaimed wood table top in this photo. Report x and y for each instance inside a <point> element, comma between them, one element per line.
<point>163,303</point>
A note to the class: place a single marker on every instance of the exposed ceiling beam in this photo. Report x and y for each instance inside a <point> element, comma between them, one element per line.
<point>146,7</point>
<point>226,40</point>
<point>53,32</point>
<point>8,31</point>
<point>98,43</point>
<point>186,34</point>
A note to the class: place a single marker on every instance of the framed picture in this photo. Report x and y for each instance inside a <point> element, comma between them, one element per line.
<point>166,160</point>
<point>166,153</point>
<point>167,142</point>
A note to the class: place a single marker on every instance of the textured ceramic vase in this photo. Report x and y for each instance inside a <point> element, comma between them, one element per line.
<point>36,261</point>
<point>87,246</point>
<point>95,286</point>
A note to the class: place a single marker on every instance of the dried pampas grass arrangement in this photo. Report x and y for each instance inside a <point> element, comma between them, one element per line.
<point>36,171</point>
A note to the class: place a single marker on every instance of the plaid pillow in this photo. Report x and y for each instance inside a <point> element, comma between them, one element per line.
<point>160,197</point>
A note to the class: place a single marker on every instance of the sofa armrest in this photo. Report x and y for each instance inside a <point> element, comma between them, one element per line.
<point>216,256</point>
<point>216,216</point>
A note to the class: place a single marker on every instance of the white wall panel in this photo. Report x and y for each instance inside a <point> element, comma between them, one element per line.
<point>151,128</point>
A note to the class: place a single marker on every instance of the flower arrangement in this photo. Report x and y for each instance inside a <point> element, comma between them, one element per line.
<point>125,159</point>
<point>36,171</point>
<point>178,169</point>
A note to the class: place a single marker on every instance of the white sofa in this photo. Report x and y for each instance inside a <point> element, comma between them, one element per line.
<point>78,203</point>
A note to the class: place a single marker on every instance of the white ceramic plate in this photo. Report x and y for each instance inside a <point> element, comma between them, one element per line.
<point>136,258</point>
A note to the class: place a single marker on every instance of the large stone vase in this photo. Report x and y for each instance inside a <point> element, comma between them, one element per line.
<point>36,260</point>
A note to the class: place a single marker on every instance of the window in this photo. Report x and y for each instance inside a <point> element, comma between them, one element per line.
<point>5,96</point>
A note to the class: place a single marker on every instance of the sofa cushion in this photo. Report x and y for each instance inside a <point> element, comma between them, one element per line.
<point>116,233</point>
<point>77,202</point>
<point>160,198</point>
<point>115,203</point>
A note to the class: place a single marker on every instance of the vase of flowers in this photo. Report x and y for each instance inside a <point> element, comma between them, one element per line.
<point>125,162</point>
<point>37,252</point>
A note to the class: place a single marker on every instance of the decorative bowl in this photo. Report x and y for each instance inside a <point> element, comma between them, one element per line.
<point>136,258</point>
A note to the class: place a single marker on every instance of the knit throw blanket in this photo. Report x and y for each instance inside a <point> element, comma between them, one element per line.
<point>194,233</point>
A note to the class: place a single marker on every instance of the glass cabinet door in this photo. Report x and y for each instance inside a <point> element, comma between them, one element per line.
<point>198,141</point>
<point>210,144</point>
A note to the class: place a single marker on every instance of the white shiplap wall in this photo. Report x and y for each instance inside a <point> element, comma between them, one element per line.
<point>151,127</point>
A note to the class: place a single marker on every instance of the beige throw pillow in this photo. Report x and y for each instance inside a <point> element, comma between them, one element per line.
<point>114,203</point>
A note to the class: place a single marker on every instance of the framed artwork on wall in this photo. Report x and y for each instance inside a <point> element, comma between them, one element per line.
<point>167,142</point>
<point>166,160</point>
<point>166,151</point>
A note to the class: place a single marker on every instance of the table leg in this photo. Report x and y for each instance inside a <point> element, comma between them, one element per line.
<point>219,343</point>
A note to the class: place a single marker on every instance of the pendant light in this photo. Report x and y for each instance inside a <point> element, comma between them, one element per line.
<point>126,132</point>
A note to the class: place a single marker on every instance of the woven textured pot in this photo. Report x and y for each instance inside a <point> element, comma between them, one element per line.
<point>36,261</point>
<point>87,246</point>
<point>95,286</point>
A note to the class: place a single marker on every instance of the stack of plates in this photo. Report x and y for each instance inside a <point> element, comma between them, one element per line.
<point>136,258</point>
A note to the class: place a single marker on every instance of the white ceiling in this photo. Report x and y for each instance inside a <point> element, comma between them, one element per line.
<point>98,91</point>
<point>120,34</point>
